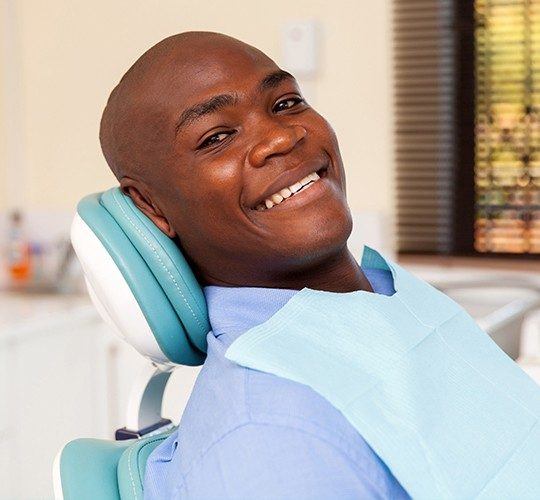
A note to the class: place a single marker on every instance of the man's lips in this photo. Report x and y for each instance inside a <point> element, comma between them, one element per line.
<point>312,192</point>
<point>290,177</point>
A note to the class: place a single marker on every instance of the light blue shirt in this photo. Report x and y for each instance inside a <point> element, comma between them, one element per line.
<point>249,434</point>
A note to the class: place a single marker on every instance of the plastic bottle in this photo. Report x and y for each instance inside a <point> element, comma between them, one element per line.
<point>18,259</point>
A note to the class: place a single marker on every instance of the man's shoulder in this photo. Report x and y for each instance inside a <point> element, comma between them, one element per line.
<point>265,420</point>
<point>227,396</point>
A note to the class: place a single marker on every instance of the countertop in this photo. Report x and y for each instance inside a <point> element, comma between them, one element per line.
<point>22,313</point>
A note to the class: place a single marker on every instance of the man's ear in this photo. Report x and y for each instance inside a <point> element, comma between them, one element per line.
<point>144,203</point>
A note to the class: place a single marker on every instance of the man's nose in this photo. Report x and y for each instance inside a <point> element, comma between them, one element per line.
<point>278,140</point>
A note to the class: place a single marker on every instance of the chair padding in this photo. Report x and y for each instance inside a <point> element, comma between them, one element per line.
<point>88,469</point>
<point>156,272</point>
<point>166,262</point>
<point>132,466</point>
<point>98,469</point>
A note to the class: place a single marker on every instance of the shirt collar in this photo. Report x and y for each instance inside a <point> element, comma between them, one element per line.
<point>234,310</point>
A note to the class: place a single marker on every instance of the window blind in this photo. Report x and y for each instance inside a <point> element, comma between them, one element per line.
<point>467,129</point>
<point>424,103</point>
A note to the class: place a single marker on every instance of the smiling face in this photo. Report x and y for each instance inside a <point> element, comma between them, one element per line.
<point>250,177</point>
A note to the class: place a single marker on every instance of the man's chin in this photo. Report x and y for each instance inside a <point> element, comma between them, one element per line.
<point>313,238</point>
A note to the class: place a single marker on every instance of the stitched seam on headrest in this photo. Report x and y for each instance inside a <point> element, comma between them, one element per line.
<point>161,438</point>
<point>160,261</point>
<point>143,222</point>
<point>131,473</point>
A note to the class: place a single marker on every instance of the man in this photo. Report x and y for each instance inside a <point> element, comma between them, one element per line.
<point>215,143</point>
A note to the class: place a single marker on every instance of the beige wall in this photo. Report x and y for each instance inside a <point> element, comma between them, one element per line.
<point>3,137</point>
<point>68,54</point>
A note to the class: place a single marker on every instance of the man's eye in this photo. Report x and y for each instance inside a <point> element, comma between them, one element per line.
<point>288,103</point>
<point>214,139</point>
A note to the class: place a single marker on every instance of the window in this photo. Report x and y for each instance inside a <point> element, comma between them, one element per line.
<point>467,100</point>
<point>507,152</point>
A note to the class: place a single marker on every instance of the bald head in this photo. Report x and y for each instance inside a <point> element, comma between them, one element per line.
<point>136,134</point>
<point>206,135</point>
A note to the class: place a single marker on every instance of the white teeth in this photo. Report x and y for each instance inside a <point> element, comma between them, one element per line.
<point>277,198</point>
<point>295,187</point>
<point>287,192</point>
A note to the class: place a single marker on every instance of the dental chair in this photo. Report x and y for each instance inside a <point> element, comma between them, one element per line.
<point>143,287</point>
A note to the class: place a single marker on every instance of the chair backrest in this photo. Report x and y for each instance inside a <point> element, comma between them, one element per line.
<point>139,281</point>
<point>90,469</point>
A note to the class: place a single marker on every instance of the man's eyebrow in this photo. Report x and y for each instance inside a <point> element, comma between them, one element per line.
<point>274,79</point>
<point>220,101</point>
<point>201,109</point>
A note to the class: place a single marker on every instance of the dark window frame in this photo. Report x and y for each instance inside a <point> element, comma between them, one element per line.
<point>464,130</point>
<point>463,193</point>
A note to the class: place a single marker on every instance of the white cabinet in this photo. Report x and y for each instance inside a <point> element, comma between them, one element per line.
<point>52,390</point>
<point>63,375</point>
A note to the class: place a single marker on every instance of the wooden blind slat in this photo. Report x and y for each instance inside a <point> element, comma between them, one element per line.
<point>424,99</point>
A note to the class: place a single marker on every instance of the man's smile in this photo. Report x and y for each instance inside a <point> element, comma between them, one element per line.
<point>287,192</point>
<point>291,185</point>
<point>312,187</point>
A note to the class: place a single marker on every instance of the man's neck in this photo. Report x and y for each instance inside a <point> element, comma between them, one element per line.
<point>341,273</point>
<point>337,273</point>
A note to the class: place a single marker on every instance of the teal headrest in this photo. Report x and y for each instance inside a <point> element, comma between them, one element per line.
<point>152,268</point>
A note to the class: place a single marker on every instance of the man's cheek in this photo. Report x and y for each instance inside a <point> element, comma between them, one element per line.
<point>222,171</point>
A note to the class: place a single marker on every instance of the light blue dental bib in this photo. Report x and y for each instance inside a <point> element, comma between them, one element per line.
<point>449,413</point>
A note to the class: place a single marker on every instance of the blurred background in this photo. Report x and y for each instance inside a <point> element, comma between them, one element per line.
<point>436,104</point>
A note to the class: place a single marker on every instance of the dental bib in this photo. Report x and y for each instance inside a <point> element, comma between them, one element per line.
<point>450,414</point>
